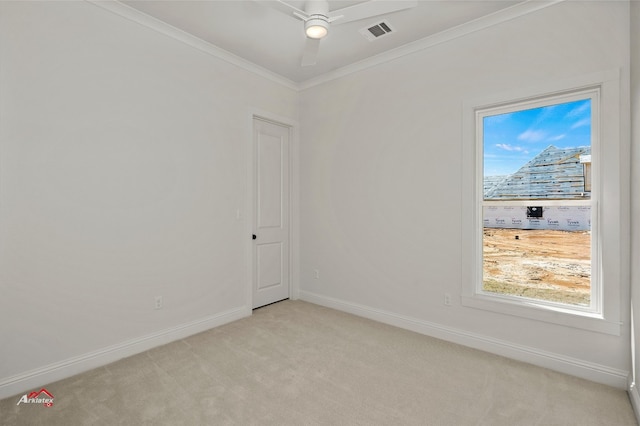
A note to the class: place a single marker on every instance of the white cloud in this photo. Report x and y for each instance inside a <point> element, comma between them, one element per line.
<point>557,138</point>
<point>532,136</point>
<point>581,123</point>
<point>512,148</point>
<point>577,111</point>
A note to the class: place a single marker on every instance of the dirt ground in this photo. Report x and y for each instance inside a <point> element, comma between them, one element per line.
<point>541,264</point>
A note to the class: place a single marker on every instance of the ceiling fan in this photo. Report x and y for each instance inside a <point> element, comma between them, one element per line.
<point>317,19</point>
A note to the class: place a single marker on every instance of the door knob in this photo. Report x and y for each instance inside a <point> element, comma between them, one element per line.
<point>254,237</point>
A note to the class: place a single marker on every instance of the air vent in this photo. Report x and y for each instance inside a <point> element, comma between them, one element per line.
<point>376,31</point>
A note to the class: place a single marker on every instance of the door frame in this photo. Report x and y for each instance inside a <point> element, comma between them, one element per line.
<point>294,203</point>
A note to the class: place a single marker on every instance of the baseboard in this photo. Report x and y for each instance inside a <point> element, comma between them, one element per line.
<point>557,362</point>
<point>61,370</point>
<point>634,397</point>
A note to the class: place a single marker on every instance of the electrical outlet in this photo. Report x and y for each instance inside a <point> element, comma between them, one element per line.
<point>158,302</point>
<point>447,299</point>
<point>316,274</point>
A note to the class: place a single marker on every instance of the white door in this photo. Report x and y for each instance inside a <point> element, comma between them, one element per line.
<point>271,213</point>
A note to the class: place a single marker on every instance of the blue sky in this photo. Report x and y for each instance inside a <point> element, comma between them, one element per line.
<point>512,139</point>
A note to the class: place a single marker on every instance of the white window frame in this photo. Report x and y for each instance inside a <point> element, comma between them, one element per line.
<point>593,94</point>
<point>603,314</point>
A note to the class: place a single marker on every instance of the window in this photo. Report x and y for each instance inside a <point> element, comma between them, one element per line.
<point>533,164</point>
<point>537,240</point>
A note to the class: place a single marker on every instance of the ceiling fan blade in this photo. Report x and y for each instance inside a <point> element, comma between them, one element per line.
<point>369,9</point>
<point>310,54</point>
<point>285,8</point>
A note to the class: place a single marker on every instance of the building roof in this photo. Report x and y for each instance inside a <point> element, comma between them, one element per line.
<point>555,173</point>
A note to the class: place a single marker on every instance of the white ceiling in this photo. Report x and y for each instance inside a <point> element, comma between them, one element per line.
<point>258,33</point>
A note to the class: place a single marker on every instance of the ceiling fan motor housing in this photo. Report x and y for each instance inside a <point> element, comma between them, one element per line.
<point>317,24</point>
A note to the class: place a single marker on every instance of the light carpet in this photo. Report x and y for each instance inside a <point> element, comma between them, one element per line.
<point>295,363</point>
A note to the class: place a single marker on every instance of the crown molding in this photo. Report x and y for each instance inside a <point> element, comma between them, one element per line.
<point>461,30</point>
<point>162,27</point>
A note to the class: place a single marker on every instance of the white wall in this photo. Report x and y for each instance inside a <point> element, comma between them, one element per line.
<point>122,164</point>
<point>381,182</point>
<point>122,155</point>
<point>635,185</point>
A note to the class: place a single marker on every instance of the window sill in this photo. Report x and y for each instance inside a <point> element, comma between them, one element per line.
<point>541,312</point>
